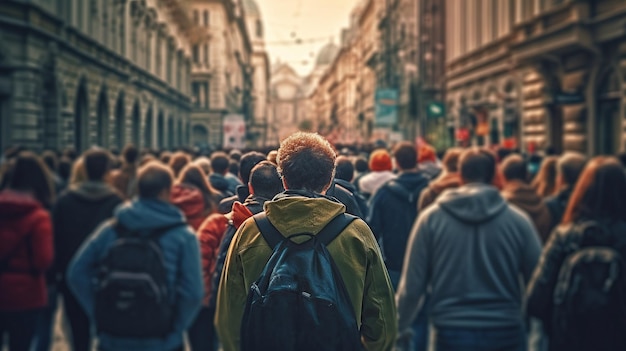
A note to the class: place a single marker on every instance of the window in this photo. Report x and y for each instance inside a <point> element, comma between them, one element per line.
<point>206,18</point>
<point>206,54</point>
<point>200,93</point>
<point>195,52</point>
<point>196,17</point>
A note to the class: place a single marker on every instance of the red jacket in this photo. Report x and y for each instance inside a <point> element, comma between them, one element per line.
<point>26,237</point>
<point>210,235</point>
<point>191,202</point>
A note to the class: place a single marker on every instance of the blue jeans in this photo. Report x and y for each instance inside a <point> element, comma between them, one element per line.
<point>420,325</point>
<point>45,324</point>
<point>468,339</point>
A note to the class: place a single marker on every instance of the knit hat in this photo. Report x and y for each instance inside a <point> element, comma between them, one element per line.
<point>380,161</point>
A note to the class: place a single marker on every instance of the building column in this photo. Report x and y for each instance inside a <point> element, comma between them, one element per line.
<point>575,80</point>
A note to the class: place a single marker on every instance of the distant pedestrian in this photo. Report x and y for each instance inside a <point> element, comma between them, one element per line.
<point>380,173</point>
<point>131,310</point>
<point>518,192</point>
<point>545,181</point>
<point>26,252</point>
<point>125,178</point>
<point>247,162</point>
<point>428,163</point>
<point>470,249</point>
<point>194,196</point>
<point>76,215</point>
<point>568,169</point>
<point>306,163</point>
<point>449,179</point>
<point>178,162</point>
<point>218,180</point>
<point>579,287</point>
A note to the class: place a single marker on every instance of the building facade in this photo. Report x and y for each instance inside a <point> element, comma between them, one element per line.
<point>221,69</point>
<point>286,95</point>
<point>78,73</point>
<point>538,74</point>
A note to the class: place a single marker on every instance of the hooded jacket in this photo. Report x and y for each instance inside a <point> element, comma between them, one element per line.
<point>371,182</point>
<point>25,226</point>
<point>470,248</point>
<point>360,199</point>
<point>77,213</point>
<point>182,262</point>
<point>214,245</point>
<point>190,201</point>
<point>436,187</point>
<point>221,184</point>
<point>226,205</point>
<point>525,197</point>
<point>346,197</point>
<point>392,215</point>
<point>354,251</point>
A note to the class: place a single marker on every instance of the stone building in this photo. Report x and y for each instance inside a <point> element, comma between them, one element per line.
<point>537,74</point>
<point>77,73</point>
<point>261,75</point>
<point>286,95</point>
<point>221,70</point>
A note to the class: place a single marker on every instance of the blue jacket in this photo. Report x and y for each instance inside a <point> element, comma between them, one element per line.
<point>392,214</point>
<point>182,259</point>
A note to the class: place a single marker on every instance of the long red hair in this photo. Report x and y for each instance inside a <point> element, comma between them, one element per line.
<point>600,192</point>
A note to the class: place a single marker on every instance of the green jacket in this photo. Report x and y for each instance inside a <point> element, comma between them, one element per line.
<point>355,253</point>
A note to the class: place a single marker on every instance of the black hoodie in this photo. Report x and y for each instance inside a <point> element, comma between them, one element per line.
<point>77,213</point>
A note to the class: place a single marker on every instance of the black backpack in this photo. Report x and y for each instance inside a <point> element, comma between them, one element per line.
<point>412,197</point>
<point>132,297</point>
<point>300,301</point>
<point>589,297</point>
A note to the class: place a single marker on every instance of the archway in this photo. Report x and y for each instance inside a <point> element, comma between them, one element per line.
<point>136,125</point>
<point>200,135</point>
<point>149,130</point>
<point>81,116</point>
<point>120,125</point>
<point>161,131</point>
<point>102,120</point>
<point>170,132</point>
<point>609,129</point>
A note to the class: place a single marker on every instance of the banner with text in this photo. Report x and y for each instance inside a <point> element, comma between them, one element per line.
<point>386,107</point>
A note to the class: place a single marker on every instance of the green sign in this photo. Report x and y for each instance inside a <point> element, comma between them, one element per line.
<point>436,109</point>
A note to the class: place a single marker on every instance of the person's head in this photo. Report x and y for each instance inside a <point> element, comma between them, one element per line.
<point>360,164</point>
<point>568,169</point>
<point>306,161</point>
<point>65,169</point>
<point>451,159</point>
<point>70,153</point>
<point>79,174</point>
<point>204,164</point>
<point>247,162</point>
<point>220,162</point>
<point>271,156</point>
<point>165,157</point>
<point>29,174</point>
<point>477,166</point>
<point>545,181</point>
<point>154,181</point>
<point>380,161</point>
<point>233,167</point>
<point>265,181</point>
<point>344,169</point>
<point>130,154</point>
<point>97,163</point>
<point>193,175</point>
<point>514,168</point>
<point>145,159</point>
<point>178,161</point>
<point>427,154</point>
<point>235,155</point>
<point>599,193</point>
<point>405,155</point>
<point>51,160</point>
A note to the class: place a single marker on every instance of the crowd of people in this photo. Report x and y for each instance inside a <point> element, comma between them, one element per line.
<point>473,249</point>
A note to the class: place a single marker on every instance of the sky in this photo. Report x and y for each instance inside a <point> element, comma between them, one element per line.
<point>316,22</point>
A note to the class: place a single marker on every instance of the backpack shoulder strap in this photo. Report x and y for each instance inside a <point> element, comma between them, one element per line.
<point>334,228</point>
<point>401,191</point>
<point>269,232</point>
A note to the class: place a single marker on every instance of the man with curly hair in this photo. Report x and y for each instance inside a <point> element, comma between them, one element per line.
<point>306,162</point>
